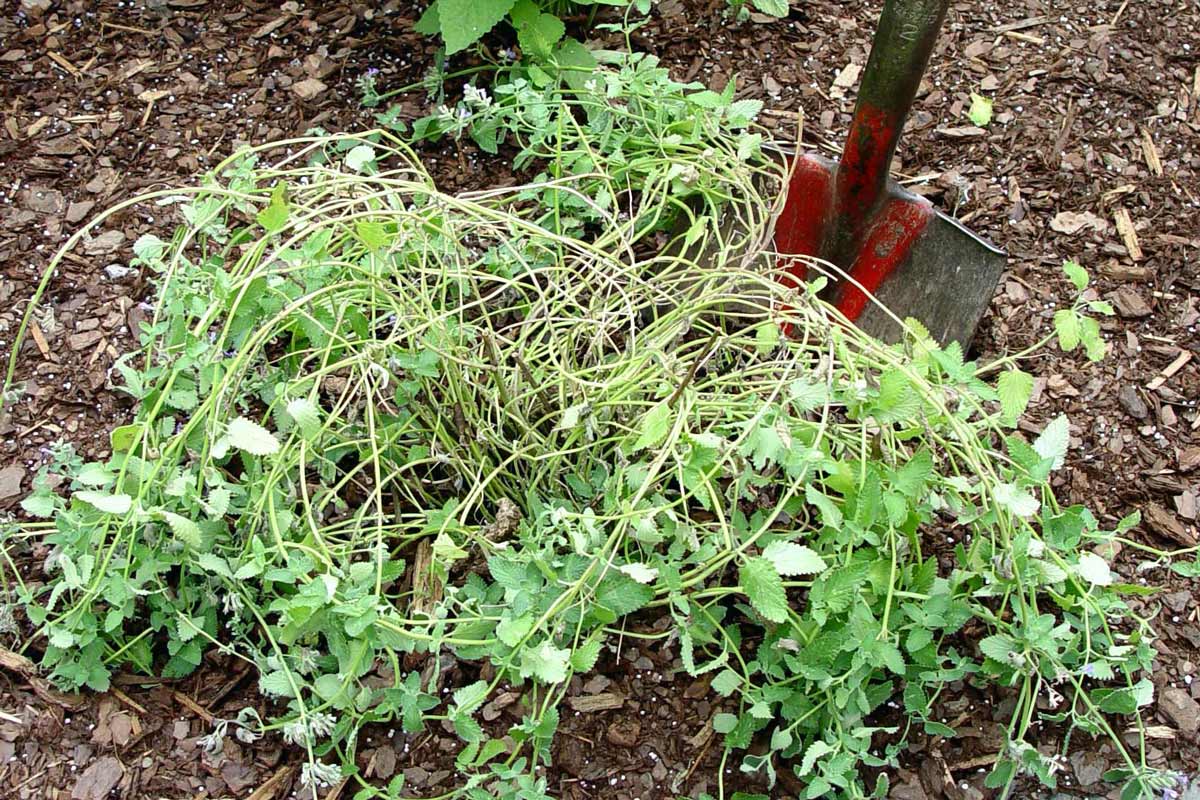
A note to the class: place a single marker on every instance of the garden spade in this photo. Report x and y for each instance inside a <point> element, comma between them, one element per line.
<point>915,260</point>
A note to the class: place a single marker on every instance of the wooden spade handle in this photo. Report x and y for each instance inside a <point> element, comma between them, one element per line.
<point>904,41</point>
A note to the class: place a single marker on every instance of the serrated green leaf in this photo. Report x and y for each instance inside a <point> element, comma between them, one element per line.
<point>999,648</point>
<point>306,415</point>
<point>1018,501</point>
<point>1015,388</point>
<point>896,402</point>
<point>774,8</point>
<point>815,751</point>
<point>251,437</point>
<point>1054,440</point>
<point>359,157</point>
<point>726,683</point>
<point>656,424</point>
<point>981,110</point>
<point>545,662</point>
<point>622,595</point>
<point>790,558</point>
<point>276,684</point>
<point>537,32</point>
<point>1094,569</point>
<point>217,503</point>
<point>372,233</point>
<point>1077,274</point>
<point>1066,325</point>
<point>40,504</point>
<point>1093,342</point>
<point>275,216</point>
<point>764,588</point>
<point>93,474</point>
<point>184,529</point>
<point>108,503</point>
<point>807,396</point>
<point>512,631</point>
<point>640,572</point>
<point>470,697</point>
<point>724,722</point>
<point>464,22</point>
<point>912,478</point>
<point>766,337</point>
<point>584,658</point>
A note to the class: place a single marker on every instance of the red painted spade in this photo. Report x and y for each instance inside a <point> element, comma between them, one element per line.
<point>915,260</point>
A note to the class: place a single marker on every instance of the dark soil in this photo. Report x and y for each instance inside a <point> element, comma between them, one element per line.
<point>1093,154</point>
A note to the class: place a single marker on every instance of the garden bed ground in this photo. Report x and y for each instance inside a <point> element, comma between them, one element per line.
<point>1094,154</point>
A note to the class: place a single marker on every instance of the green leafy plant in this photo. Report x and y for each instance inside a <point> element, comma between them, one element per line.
<point>740,9</point>
<point>537,23</point>
<point>376,422</point>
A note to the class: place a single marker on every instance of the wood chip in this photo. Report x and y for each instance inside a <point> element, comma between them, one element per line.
<point>308,89</point>
<point>1126,272</point>
<point>848,76</point>
<point>1182,359</point>
<point>1029,22</point>
<point>1025,37</point>
<point>197,709</point>
<point>1150,152</point>
<point>598,702</point>
<point>1166,524</point>
<point>14,662</point>
<point>1071,222</point>
<point>39,338</point>
<point>266,29</point>
<point>1129,304</point>
<point>1128,234</point>
<point>62,62</point>
<point>961,132</point>
<point>276,782</point>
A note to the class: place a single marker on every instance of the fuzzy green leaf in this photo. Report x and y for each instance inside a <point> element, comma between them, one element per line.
<point>275,216</point>
<point>1015,388</point>
<point>724,722</point>
<point>546,662</point>
<point>306,415</point>
<point>537,32</point>
<point>775,8</point>
<point>108,503</point>
<point>359,157</point>
<point>184,529</point>
<point>93,474</point>
<point>981,110</point>
<point>40,504</point>
<point>584,658</point>
<point>470,697</point>
<point>512,631</point>
<point>998,648</point>
<point>1066,325</point>
<point>1077,274</point>
<point>464,22</point>
<point>790,558</point>
<point>1094,569</point>
<point>1053,441</point>
<point>763,586</point>
<point>726,683</point>
<point>1018,501</point>
<point>656,424</point>
<point>251,437</point>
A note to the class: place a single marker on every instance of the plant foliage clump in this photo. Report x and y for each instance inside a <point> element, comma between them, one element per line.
<point>378,425</point>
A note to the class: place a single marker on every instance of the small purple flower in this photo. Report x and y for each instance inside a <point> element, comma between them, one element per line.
<point>1088,670</point>
<point>372,72</point>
